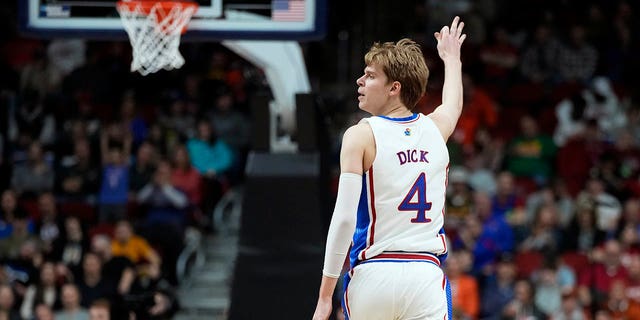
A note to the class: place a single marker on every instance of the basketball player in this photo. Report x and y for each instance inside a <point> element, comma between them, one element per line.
<point>392,188</point>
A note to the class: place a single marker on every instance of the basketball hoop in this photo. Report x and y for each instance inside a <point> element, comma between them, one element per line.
<point>154,29</point>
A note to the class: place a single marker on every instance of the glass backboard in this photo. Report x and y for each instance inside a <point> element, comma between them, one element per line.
<point>215,19</point>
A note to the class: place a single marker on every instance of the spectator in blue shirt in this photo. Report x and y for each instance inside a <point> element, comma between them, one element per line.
<point>165,216</point>
<point>212,157</point>
<point>9,209</point>
<point>499,288</point>
<point>496,236</point>
<point>114,190</point>
<point>209,155</point>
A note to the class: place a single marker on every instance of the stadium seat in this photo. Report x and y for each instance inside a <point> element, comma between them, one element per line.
<point>31,208</point>
<point>575,260</point>
<point>525,94</point>
<point>102,228</point>
<point>84,211</point>
<point>525,186</point>
<point>563,91</point>
<point>527,262</point>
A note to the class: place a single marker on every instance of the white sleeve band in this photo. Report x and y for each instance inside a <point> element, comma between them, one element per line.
<point>343,223</point>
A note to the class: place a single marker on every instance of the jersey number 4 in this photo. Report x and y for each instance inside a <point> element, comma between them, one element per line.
<point>421,206</point>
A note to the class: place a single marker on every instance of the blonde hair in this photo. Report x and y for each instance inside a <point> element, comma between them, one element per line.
<point>402,61</point>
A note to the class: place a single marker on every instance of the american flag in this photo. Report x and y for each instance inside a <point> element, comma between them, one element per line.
<point>287,10</point>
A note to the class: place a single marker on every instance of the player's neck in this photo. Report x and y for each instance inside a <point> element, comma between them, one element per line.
<point>397,111</point>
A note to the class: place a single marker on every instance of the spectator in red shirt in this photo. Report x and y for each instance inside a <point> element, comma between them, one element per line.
<point>185,177</point>
<point>500,57</point>
<point>596,281</point>
<point>633,280</point>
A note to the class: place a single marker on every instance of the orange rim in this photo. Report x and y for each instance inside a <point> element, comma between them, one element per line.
<point>147,5</point>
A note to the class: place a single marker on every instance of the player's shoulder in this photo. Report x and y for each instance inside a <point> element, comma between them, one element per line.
<point>358,133</point>
<point>362,128</point>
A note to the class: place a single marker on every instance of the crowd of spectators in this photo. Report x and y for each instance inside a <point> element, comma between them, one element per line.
<point>104,173</point>
<point>544,185</point>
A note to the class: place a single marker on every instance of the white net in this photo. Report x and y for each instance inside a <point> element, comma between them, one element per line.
<point>154,31</point>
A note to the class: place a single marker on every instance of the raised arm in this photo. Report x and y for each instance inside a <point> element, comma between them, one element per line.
<point>344,215</point>
<point>450,40</point>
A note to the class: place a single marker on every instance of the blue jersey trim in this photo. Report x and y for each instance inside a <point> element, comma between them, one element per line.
<point>362,224</point>
<point>449,299</point>
<point>409,118</point>
<point>443,257</point>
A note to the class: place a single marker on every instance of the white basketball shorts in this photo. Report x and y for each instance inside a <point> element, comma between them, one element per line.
<point>398,286</point>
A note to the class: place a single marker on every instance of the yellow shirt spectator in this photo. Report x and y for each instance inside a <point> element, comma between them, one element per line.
<point>135,248</point>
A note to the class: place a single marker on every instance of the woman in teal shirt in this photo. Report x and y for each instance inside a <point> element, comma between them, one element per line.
<point>212,157</point>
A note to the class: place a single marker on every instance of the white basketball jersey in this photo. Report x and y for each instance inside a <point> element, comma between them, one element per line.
<point>401,207</point>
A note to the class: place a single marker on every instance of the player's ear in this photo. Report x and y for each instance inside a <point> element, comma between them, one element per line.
<point>395,87</point>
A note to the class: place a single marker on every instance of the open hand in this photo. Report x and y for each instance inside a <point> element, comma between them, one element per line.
<point>450,39</point>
